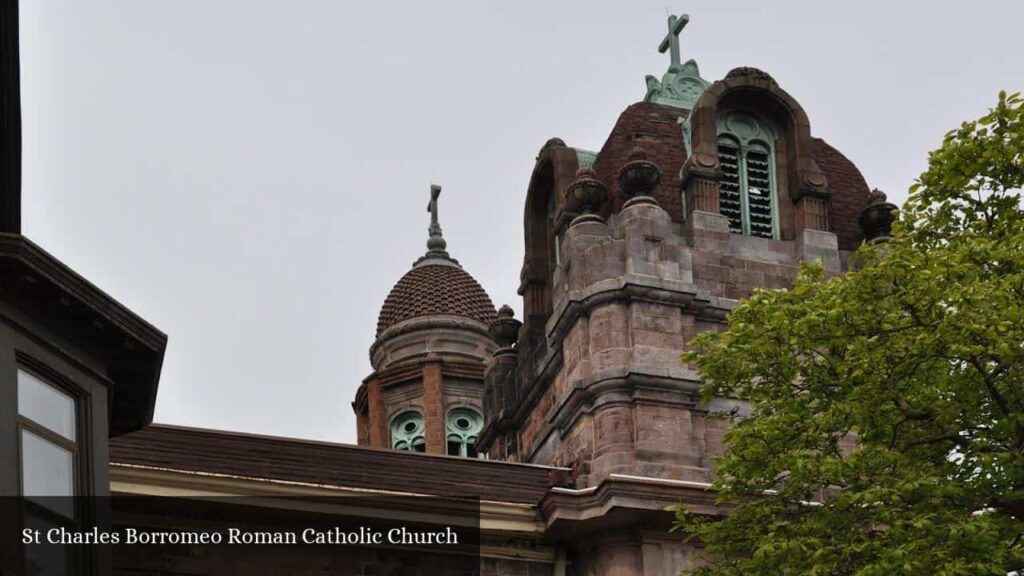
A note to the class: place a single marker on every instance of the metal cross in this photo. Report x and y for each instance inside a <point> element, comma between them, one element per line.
<point>435,227</point>
<point>671,41</point>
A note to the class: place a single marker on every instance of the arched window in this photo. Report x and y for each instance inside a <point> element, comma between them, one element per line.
<point>463,425</point>
<point>748,195</point>
<point>407,432</point>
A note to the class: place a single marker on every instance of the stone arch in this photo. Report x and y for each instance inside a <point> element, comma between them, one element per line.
<point>800,180</point>
<point>555,168</point>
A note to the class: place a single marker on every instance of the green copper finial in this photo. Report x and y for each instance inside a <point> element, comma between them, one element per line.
<point>671,41</point>
<point>436,243</point>
<point>681,85</point>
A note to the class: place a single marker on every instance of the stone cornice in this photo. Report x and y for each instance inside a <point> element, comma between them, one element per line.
<point>618,387</point>
<point>429,323</point>
<point>636,288</point>
<point>627,288</point>
<point>617,499</point>
<point>626,388</point>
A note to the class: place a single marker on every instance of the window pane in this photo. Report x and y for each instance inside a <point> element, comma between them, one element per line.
<point>46,405</point>
<point>46,468</point>
<point>48,559</point>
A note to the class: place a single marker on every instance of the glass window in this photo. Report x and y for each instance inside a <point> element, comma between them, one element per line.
<point>46,405</point>
<point>463,426</point>
<point>47,424</point>
<point>407,432</point>
<point>747,194</point>
<point>46,468</point>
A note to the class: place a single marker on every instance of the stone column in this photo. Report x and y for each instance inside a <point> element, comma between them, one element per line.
<point>700,176</point>
<point>433,408</point>
<point>362,429</point>
<point>378,415</point>
<point>812,213</point>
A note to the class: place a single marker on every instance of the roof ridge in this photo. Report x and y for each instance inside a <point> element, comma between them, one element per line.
<point>323,443</point>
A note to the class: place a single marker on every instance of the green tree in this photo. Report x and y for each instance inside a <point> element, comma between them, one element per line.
<point>886,426</point>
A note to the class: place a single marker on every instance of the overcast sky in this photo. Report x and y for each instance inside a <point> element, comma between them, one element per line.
<point>251,176</point>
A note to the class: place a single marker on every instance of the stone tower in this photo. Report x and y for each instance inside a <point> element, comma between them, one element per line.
<point>428,358</point>
<point>702,193</point>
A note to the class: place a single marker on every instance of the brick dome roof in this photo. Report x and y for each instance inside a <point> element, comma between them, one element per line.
<point>435,288</point>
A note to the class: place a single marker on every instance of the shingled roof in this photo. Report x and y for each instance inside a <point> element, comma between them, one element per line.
<point>328,464</point>
<point>435,289</point>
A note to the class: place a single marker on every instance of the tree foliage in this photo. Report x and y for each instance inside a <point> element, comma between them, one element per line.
<point>886,426</point>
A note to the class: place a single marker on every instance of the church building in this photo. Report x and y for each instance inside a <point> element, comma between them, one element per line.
<point>576,427</point>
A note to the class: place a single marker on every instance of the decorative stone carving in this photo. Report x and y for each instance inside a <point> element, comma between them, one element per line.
<point>680,88</point>
<point>505,328</point>
<point>751,72</point>
<point>638,176</point>
<point>877,218</point>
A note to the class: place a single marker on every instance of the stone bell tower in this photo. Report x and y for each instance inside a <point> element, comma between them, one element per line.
<point>701,194</point>
<point>425,391</point>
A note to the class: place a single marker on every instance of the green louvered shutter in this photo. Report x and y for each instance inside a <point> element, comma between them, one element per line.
<point>729,203</point>
<point>747,194</point>
<point>759,193</point>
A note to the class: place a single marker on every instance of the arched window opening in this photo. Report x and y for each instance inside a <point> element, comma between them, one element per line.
<point>463,426</point>
<point>407,432</point>
<point>748,194</point>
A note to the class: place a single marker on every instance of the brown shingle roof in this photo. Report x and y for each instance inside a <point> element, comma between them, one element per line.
<point>849,194</point>
<point>435,289</point>
<point>328,464</point>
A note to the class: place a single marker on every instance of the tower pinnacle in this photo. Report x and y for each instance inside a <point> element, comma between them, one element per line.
<point>436,244</point>
<point>681,85</point>
<point>671,41</point>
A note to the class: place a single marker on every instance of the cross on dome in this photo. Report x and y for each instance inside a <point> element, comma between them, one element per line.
<point>436,244</point>
<point>671,41</point>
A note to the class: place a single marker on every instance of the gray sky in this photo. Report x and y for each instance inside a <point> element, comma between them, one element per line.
<point>251,176</point>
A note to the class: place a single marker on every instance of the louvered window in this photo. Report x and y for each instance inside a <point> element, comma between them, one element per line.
<point>747,195</point>
<point>407,432</point>
<point>463,427</point>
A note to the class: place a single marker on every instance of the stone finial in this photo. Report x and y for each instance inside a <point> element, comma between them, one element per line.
<point>877,218</point>
<point>505,328</point>
<point>638,176</point>
<point>586,193</point>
